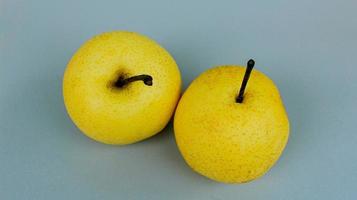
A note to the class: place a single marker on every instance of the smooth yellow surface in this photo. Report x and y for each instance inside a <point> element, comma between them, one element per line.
<point>120,115</point>
<point>228,141</point>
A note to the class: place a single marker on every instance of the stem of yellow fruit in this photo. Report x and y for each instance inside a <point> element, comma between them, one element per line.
<point>147,79</point>
<point>249,69</point>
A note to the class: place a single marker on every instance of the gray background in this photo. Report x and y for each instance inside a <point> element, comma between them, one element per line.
<point>308,47</point>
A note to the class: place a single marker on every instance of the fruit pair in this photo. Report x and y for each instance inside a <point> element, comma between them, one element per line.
<point>122,87</point>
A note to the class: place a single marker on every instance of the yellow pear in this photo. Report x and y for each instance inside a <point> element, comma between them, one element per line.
<point>228,130</point>
<point>121,87</point>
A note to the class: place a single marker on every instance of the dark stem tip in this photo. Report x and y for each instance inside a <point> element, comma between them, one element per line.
<point>250,63</point>
<point>148,80</point>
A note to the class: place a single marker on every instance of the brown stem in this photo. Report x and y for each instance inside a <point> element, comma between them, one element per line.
<point>249,69</point>
<point>147,79</point>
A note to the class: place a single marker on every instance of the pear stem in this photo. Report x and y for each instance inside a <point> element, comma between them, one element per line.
<point>147,79</point>
<point>250,65</point>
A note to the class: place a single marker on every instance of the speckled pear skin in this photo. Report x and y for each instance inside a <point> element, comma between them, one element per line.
<point>227,141</point>
<point>121,115</point>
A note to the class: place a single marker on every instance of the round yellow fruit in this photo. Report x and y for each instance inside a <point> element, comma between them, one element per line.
<point>228,141</point>
<point>115,113</point>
